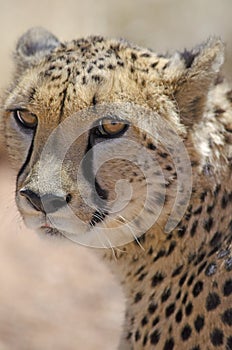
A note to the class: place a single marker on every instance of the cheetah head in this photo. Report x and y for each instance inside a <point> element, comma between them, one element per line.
<point>97,131</point>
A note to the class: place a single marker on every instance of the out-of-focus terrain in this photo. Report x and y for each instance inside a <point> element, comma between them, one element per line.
<point>53,295</point>
<point>60,296</point>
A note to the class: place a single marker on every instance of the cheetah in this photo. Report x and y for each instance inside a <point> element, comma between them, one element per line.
<point>130,152</point>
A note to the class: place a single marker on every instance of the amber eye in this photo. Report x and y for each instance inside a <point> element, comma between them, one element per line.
<point>112,127</point>
<point>26,119</point>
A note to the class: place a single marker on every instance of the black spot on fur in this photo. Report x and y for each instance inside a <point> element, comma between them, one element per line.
<point>179,316</point>
<point>129,335</point>
<point>186,332</point>
<point>227,198</point>
<point>227,288</point>
<point>190,280</point>
<point>133,56</point>
<point>155,337</point>
<point>168,168</point>
<point>208,224</point>
<point>142,276</point>
<point>154,64</point>
<point>193,228</point>
<point>213,251</point>
<point>203,195</point>
<point>110,66</point>
<point>188,308</point>
<point>152,308</point>
<point>169,344</point>
<point>199,258</point>
<point>96,78</point>
<point>210,208</point>
<point>63,102</point>
<point>159,255</point>
<point>181,231</point>
<point>171,248</point>
<point>163,155</point>
<point>227,317</point>
<point>89,69</point>
<point>120,63</point>
<point>201,267</point>
<point>182,280</point>
<point>217,190</point>
<point>144,321</point>
<point>216,239</point>
<point>185,298</point>
<point>138,297</point>
<point>165,295</point>
<point>169,310</point>
<point>155,321</point>
<point>151,146</point>
<point>145,54</point>
<point>94,100</point>
<point>198,210</point>
<point>216,337</point>
<point>177,270</point>
<point>229,343</point>
<point>199,323</point>
<point>197,289</point>
<point>137,335</point>
<point>212,301</point>
<point>145,339</point>
<point>157,278</point>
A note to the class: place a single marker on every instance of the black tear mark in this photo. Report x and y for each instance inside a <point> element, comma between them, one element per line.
<point>87,167</point>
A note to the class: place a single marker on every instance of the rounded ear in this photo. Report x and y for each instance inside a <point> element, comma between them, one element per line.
<point>192,74</point>
<point>32,46</point>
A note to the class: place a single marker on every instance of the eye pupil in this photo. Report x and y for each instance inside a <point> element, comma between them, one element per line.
<point>109,127</point>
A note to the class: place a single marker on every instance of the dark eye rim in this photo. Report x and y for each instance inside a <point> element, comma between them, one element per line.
<point>100,132</point>
<point>16,113</point>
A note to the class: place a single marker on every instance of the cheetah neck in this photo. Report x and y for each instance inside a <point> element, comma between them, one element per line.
<point>163,277</point>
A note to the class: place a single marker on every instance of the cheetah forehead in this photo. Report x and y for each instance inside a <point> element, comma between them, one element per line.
<point>55,79</point>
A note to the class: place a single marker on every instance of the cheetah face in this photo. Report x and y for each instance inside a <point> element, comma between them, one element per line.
<point>94,180</point>
<point>99,154</point>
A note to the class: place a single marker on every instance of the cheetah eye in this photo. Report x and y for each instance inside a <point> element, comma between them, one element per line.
<point>111,127</point>
<point>26,119</point>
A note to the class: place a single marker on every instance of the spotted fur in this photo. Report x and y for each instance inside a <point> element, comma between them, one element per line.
<point>178,285</point>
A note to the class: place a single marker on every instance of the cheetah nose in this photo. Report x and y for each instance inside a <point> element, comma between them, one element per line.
<point>47,203</point>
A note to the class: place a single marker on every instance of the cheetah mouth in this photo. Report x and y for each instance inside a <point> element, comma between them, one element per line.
<point>50,231</point>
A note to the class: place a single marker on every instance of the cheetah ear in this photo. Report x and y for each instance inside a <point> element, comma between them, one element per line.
<point>32,46</point>
<point>200,68</point>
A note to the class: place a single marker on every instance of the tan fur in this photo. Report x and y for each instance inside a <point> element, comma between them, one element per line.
<point>178,285</point>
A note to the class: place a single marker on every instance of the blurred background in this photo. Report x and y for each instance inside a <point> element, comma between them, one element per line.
<point>59,296</point>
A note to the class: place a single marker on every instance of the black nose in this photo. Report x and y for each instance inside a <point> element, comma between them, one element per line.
<point>47,203</point>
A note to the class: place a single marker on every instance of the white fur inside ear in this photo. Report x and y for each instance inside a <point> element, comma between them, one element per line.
<point>176,65</point>
<point>207,57</point>
<point>211,56</point>
<point>219,60</point>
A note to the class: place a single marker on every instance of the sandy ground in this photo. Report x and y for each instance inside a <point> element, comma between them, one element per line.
<point>56,296</point>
